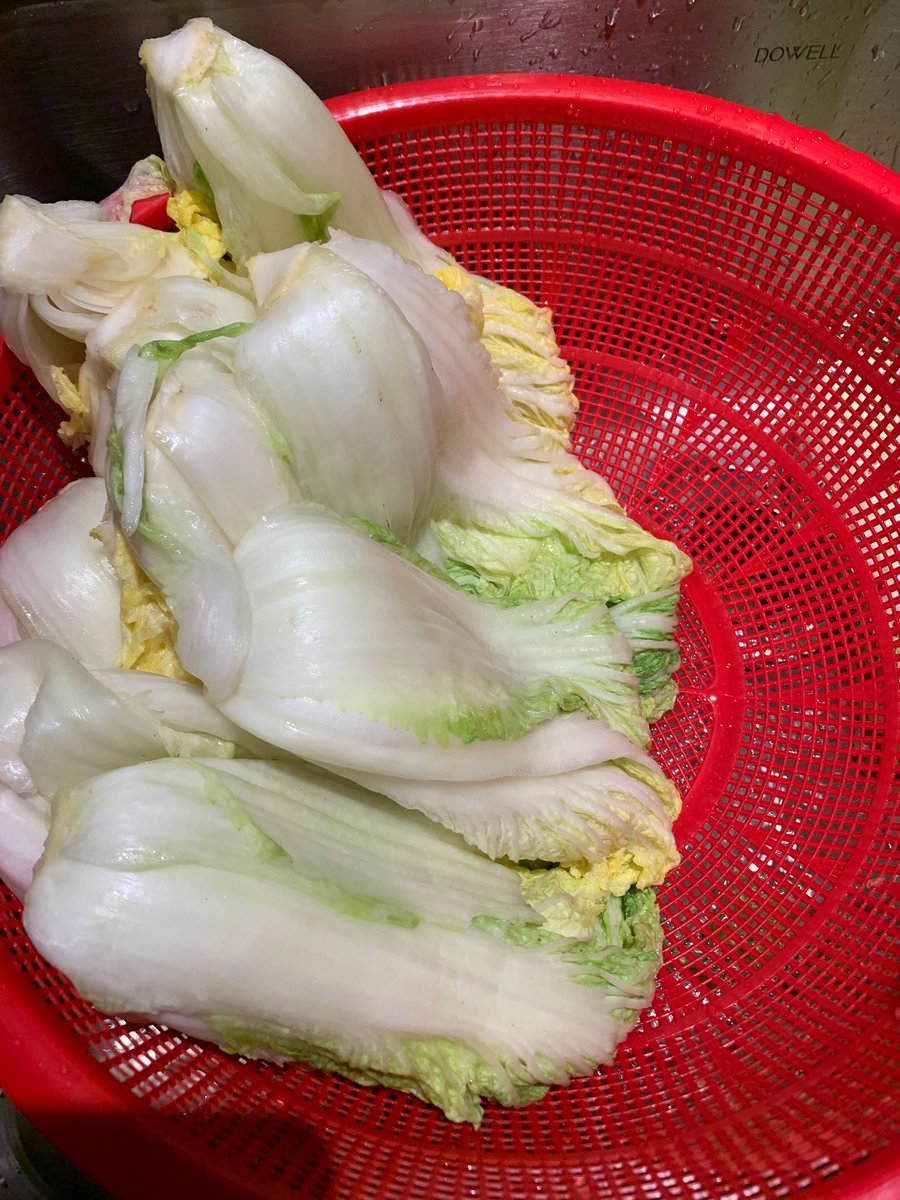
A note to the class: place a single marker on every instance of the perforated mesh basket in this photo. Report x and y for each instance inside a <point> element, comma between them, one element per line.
<point>726,288</point>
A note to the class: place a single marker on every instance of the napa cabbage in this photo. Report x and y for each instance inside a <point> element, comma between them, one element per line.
<point>189,892</point>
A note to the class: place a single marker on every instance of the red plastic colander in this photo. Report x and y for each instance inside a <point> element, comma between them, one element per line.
<point>726,287</point>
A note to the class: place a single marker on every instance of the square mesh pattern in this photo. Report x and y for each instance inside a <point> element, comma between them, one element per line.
<point>730,330</point>
<point>35,464</point>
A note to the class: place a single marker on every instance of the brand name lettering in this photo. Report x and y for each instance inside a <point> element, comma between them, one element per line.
<point>813,51</point>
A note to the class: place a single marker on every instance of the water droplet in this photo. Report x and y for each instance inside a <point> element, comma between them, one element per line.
<point>803,10</point>
<point>553,52</point>
<point>690,4</point>
<point>877,52</point>
<point>131,106</point>
<point>477,25</point>
<point>476,54</point>
<point>611,17</point>
<point>705,110</point>
<point>738,24</point>
<point>654,68</point>
<point>656,10</point>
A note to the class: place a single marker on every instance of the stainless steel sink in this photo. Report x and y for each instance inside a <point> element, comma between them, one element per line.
<point>75,115</point>
<point>30,1169</point>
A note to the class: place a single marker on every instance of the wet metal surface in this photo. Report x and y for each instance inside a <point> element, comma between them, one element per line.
<point>76,114</point>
